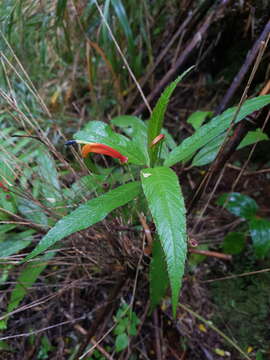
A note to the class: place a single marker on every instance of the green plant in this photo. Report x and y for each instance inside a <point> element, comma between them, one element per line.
<point>127,322</point>
<point>259,228</point>
<point>96,356</point>
<point>45,348</point>
<point>145,147</point>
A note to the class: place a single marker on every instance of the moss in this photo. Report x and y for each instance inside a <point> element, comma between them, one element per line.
<point>243,306</point>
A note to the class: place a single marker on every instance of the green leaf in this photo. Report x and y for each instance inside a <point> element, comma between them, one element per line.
<point>99,132</point>
<point>15,244</point>
<point>131,125</point>
<point>121,342</point>
<point>134,322</point>
<point>30,210</point>
<point>215,127</point>
<point>122,17</point>
<point>5,228</point>
<point>239,204</point>
<point>234,243</point>
<point>89,184</point>
<point>166,203</point>
<point>209,152</point>
<point>47,168</point>
<point>8,203</point>
<point>5,346</point>
<point>122,311</point>
<point>259,355</point>
<point>169,140</point>
<point>260,234</point>
<point>157,117</point>
<point>7,175</point>
<point>159,281</point>
<point>88,214</point>
<point>134,128</point>
<point>121,326</point>
<point>197,118</point>
<point>26,279</point>
<point>60,10</point>
<point>45,348</point>
<point>253,137</point>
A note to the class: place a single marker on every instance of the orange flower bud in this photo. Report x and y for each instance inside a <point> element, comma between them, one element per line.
<point>157,139</point>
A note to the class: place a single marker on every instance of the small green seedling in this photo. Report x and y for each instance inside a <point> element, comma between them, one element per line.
<point>127,323</point>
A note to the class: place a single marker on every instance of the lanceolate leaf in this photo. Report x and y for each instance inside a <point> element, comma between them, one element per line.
<point>159,281</point>
<point>157,118</point>
<point>15,243</point>
<point>122,17</point>
<point>88,214</point>
<point>215,127</point>
<point>165,200</point>
<point>209,152</point>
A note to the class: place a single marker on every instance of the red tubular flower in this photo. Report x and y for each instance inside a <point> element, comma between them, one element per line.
<point>103,149</point>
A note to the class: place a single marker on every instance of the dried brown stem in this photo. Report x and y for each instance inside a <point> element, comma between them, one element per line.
<point>192,45</point>
<point>251,56</point>
<point>211,253</point>
<point>237,275</point>
<point>157,336</point>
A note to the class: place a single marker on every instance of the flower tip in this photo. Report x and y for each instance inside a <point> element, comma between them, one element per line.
<point>123,160</point>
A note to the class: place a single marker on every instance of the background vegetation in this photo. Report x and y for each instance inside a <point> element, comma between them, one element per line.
<point>67,62</point>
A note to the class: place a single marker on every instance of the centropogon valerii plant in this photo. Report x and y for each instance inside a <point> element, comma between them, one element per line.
<point>152,149</point>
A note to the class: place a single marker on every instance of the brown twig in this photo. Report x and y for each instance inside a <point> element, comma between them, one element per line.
<point>196,40</point>
<point>190,22</point>
<point>237,275</point>
<point>252,54</point>
<point>248,173</point>
<point>211,253</point>
<point>147,232</point>
<point>157,336</point>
